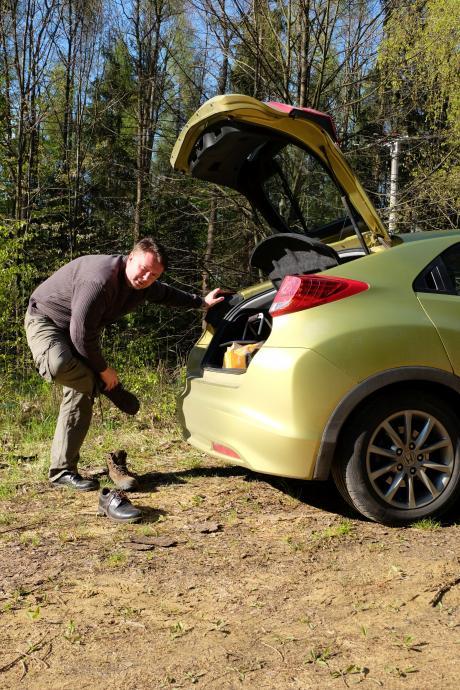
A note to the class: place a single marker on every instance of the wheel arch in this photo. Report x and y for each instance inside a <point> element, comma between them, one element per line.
<point>427,379</point>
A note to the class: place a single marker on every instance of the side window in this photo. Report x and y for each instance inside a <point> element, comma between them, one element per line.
<point>442,274</point>
<point>451,260</point>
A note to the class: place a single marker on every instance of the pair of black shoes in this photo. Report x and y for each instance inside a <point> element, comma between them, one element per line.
<point>113,503</point>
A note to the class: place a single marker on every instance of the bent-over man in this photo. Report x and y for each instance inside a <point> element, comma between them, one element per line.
<point>63,323</point>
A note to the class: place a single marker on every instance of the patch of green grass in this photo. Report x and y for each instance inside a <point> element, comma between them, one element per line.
<point>427,524</point>
<point>31,539</point>
<point>231,516</point>
<point>71,633</point>
<point>400,672</point>
<point>5,519</point>
<point>105,481</point>
<point>116,559</point>
<point>7,490</point>
<point>294,543</point>
<point>38,428</point>
<point>343,529</point>
<point>34,613</point>
<point>178,630</point>
<point>197,500</point>
<point>320,656</point>
<point>190,463</point>
<point>352,669</point>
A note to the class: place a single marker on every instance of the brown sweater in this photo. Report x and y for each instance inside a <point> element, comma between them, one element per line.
<point>88,293</point>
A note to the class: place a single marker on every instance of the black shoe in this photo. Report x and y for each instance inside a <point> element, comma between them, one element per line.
<point>76,481</point>
<point>116,506</point>
<point>123,399</point>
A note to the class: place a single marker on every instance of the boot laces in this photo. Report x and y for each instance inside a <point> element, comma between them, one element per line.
<point>118,493</point>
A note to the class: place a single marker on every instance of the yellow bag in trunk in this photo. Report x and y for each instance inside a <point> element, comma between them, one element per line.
<point>238,355</point>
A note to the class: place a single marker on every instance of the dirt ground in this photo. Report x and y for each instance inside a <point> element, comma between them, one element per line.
<point>267,583</point>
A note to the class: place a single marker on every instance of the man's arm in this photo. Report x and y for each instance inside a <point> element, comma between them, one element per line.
<point>162,293</point>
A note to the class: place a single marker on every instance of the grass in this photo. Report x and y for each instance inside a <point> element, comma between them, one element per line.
<point>342,529</point>
<point>116,559</point>
<point>427,524</point>
<point>5,519</point>
<point>28,421</point>
<point>320,656</point>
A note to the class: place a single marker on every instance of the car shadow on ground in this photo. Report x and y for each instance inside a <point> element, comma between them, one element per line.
<point>321,495</point>
<point>325,496</point>
<point>149,481</point>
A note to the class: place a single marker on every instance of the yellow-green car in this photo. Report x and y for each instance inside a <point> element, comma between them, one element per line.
<point>347,361</point>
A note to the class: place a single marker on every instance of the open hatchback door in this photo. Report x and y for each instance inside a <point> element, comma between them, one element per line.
<point>286,161</point>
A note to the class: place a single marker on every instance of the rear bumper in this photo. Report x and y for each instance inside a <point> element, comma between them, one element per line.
<point>272,416</point>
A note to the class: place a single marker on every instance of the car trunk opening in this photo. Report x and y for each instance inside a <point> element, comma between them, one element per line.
<point>246,326</point>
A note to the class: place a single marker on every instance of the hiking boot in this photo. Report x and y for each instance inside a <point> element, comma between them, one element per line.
<point>119,473</point>
<point>115,505</point>
<point>123,399</point>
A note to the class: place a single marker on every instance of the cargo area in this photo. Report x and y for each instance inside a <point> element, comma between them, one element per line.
<point>242,331</point>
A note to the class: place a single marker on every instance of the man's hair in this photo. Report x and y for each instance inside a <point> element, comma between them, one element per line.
<point>148,244</point>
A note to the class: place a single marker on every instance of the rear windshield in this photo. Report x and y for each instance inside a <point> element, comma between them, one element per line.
<point>304,195</point>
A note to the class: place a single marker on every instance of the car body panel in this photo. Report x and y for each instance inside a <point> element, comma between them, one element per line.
<point>444,312</point>
<point>378,329</point>
<point>266,415</point>
<point>274,414</point>
<point>236,107</point>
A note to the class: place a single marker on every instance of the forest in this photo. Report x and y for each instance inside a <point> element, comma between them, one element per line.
<point>93,94</point>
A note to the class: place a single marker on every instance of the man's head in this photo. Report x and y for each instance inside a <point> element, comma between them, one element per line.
<point>145,263</point>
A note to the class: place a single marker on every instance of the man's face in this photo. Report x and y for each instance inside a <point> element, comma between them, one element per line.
<point>142,269</point>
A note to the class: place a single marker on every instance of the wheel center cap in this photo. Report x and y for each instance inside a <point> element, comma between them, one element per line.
<point>410,458</point>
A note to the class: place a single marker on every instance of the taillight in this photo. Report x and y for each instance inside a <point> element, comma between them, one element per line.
<point>304,292</point>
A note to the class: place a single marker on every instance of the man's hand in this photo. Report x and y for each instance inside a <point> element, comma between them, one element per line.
<point>110,378</point>
<point>211,298</point>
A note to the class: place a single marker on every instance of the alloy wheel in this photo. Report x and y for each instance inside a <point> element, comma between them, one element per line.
<point>410,459</point>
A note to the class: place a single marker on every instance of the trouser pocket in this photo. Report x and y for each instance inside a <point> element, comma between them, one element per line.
<point>54,357</point>
<point>42,366</point>
<point>50,350</point>
<point>59,359</point>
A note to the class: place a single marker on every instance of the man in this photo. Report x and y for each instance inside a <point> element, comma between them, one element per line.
<point>63,323</point>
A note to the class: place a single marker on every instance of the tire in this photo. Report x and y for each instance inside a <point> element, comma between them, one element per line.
<point>401,459</point>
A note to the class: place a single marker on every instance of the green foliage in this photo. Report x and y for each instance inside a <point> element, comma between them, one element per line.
<point>16,278</point>
<point>419,63</point>
<point>421,59</point>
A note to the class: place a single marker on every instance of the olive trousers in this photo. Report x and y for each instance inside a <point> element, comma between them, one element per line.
<point>55,360</point>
